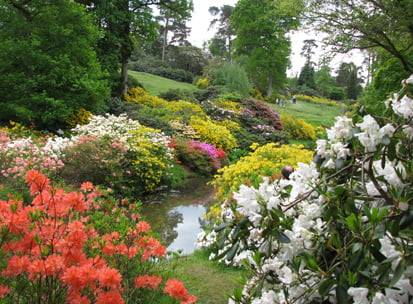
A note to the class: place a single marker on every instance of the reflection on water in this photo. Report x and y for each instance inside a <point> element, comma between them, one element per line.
<point>175,216</point>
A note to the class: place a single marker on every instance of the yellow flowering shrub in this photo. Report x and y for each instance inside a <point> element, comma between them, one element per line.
<point>80,117</point>
<point>140,96</point>
<point>175,109</point>
<point>150,158</point>
<point>185,108</point>
<point>213,134</point>
<point>228,105</point>
<point>229,124</point>
<point>317,100</point>
<point>202,83</point>
<point>266,160</point>
<point>257,94</point>
<point>297,128</point>
<point>320,131</point>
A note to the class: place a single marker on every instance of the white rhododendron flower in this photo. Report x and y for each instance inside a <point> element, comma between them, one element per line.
<point>403,107</point>
<point>359,294</point>
<point>342,129</point>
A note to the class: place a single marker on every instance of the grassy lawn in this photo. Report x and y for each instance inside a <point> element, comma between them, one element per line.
<point>315,114</point>
<point>155,84</point>
<point>208,281</point>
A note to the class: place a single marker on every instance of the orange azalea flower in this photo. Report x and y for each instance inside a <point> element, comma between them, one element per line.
<point>109,297</point>
<point>37,182</point>
<point>87,186</point>
<point>143,227</point>
<point>4,290</point>
<point>148,281</point>
<point>109,277</point>
<point>176,289</point>
<point>54,263</point>
<point>36,270</point>
<point>16,265</point>
<point>74,278</point>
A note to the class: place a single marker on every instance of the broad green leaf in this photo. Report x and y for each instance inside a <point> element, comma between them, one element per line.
<point>282,237</point>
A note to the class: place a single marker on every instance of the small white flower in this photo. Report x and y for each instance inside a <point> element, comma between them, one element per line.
<point>403,107</point>
<point>359,294</point>
<point>410,80</point>
<point>330,164</point>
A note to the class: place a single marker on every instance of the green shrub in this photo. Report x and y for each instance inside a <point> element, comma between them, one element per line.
<point>103,165</point>
<point>177,94</point>
<point>245,139</point>
<point>233,78</point>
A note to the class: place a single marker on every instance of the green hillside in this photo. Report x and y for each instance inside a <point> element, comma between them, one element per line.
<point>315,114</point>
<point>156,84</point>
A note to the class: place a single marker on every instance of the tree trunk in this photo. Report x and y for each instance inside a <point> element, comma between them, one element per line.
<point>124,77</point>
<point>269,89</point>
<point>126,48</point>
<point>165,37</point>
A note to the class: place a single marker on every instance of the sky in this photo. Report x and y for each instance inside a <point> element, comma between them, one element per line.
<point>201,18</point>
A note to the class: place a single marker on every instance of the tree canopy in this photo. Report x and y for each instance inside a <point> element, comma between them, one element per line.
<point>261,29</point>
<point>123,23</point>
<point>368,25</point>
<point>48,64</point>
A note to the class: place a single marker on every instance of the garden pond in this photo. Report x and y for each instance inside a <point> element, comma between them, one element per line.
<point>176,216</point>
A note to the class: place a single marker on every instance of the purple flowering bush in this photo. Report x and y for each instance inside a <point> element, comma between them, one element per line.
<point>201,157</point>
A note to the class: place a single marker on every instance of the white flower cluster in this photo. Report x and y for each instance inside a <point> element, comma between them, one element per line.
<point>116,127</point>
<point>257,204</point>
<point>372,134</point>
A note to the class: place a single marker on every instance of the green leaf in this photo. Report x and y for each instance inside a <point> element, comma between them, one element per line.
<point>325,287</point>
<point>377,254</point>
<point>232,252</point>
<point>391,151</point>
<point>282,237</point>
<point>221,227</point>
<point>398,272</point>
<point>353,223</point>
<point>341,294</point>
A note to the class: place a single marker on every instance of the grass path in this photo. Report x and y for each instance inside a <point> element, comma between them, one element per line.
<point>315,114</point>
<point>210,282</point>
<point>155,84</point>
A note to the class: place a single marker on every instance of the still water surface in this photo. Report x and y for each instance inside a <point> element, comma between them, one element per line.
<point>176,216</point>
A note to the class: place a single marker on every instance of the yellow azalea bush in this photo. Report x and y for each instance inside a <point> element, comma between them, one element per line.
<point>80,117</point>
<point>266,160</point>
<point>213,133</point>
<point>228,105</point>
<point>229,124</point>
<point>175,109</point>
<point>202,83</point>
<point>297,128</point>
<point>150,158</point>
<point>140,96</point>
<point>185,108</point>
<point>317,100</point>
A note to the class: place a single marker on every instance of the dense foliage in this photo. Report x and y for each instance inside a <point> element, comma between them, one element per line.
<point>48,64</point>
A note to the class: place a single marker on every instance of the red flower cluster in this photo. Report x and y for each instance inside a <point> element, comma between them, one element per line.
<point>46,242</point>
